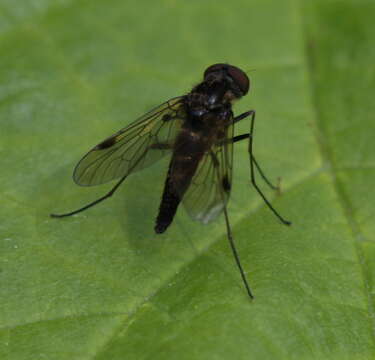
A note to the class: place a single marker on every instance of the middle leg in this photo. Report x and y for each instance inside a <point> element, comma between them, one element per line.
<point>262,174</point>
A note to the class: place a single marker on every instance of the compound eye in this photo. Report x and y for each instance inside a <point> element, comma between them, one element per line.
<point>240,78</point>
<point>214,68</point>
<point>237,75</point>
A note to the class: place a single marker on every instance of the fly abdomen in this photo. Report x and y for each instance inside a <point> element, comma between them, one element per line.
<point>168,207</point>
<point>181,170</point>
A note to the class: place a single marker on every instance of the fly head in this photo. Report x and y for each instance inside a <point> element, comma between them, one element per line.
<point>225,83</point>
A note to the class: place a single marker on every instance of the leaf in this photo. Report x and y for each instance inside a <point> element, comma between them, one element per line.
<point>102,285</point>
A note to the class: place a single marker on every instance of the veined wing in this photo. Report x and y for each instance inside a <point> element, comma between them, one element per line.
<point>134,147</point>
<point>210,187</point>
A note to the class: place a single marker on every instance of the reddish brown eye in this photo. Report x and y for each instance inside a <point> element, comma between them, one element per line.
<point>240,78</point>
<point>213,68</point>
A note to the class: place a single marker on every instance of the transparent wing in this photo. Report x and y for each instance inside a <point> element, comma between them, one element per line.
<point>135,147</point>
<point>210,187</point>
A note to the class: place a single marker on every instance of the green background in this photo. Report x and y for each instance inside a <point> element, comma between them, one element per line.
<point>102,285</point>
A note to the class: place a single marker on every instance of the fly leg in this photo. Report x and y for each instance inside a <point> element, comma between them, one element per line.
<point>253,162</point>
<point>158,146</point>
<point>229,230</point>
<point>247,136</point>
<point>262,174</point>
<point>97,201</point>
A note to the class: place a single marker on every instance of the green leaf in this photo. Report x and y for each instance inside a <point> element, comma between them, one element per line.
<point>102,285</point>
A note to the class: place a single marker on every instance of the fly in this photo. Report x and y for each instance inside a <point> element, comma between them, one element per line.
<point>197,130</point>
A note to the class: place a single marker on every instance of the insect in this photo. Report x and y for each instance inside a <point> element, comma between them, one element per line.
<point>197,130</point>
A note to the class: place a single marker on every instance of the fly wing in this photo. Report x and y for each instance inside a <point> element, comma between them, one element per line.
<point>210,187</point>
<point>134,147</point>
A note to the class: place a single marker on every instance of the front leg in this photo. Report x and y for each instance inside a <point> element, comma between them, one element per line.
<point>253,162</point>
